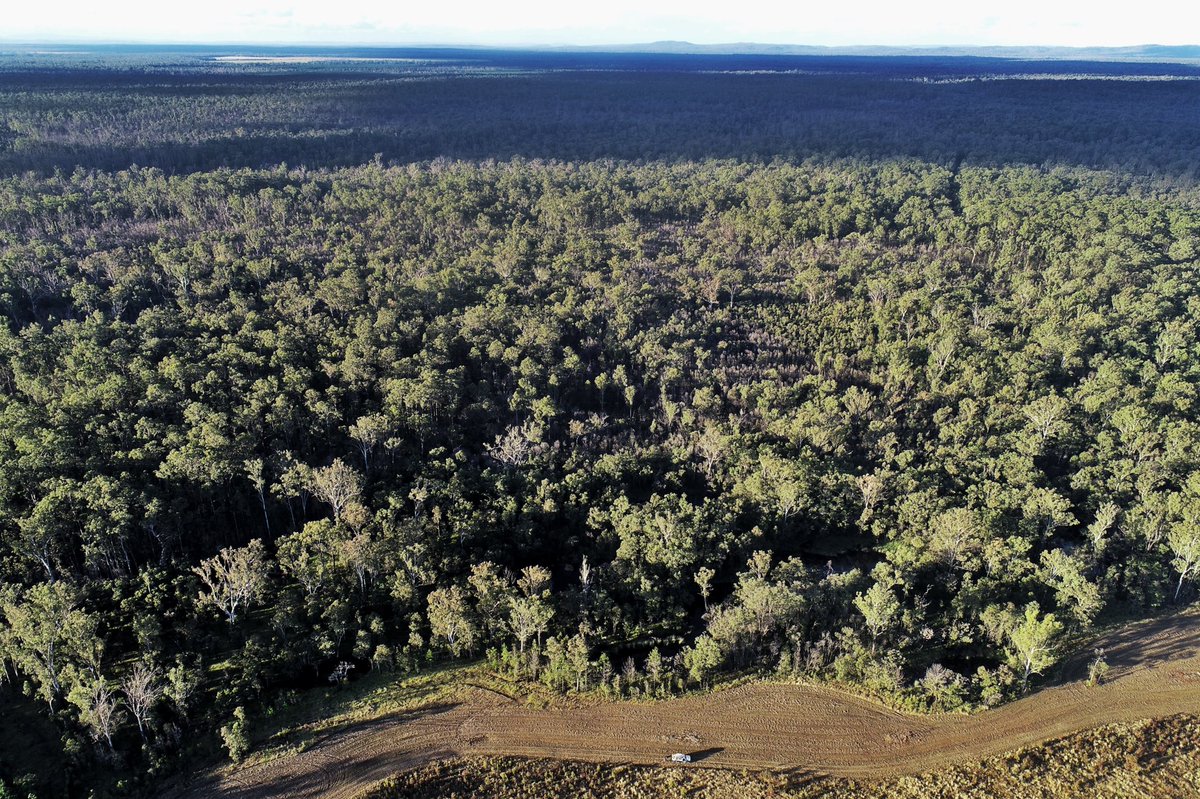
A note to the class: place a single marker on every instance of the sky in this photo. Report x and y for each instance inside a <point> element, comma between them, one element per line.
<point>555,22</point>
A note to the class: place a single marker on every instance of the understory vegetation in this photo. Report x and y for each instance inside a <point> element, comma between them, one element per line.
<point>626,427</point>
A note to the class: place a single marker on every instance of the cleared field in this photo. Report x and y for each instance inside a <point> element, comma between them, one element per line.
<point>803,729</point>
<point>1155,759</point>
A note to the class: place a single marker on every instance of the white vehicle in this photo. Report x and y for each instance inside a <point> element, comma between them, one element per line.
<point>680,757</point>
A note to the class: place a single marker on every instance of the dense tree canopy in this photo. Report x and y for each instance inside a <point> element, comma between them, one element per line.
<point>612,425</point>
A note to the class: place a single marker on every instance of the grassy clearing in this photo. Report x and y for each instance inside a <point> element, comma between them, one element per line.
<point>300,718</point>
<point>1155,759</point>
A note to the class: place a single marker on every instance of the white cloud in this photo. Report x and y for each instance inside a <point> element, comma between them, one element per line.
<point>555,21</point>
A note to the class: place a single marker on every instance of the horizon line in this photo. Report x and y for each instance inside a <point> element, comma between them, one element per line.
<point>517,45</point>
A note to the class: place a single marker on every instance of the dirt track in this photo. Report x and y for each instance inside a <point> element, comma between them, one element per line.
<point>1156,672</point>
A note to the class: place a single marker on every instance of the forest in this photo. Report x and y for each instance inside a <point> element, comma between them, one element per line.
<point>183,110</point>
<point>625,383</point>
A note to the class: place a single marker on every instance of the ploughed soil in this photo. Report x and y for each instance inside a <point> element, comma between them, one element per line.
<point>1155,672</point>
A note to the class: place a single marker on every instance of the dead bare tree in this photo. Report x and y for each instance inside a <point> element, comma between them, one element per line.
<point>142,691</point>
<point>512,448</point>
<point>101,711</point>
<point>234,578</point>
<point>337,485</point>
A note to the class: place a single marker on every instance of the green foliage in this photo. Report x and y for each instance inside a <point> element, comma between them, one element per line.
<point>1184,542</point>
<point>1098,669</point>
<point>448,619</point>
<point>879,609</point>
<point>702,659</point>
<point>1031,640</point>
<point>49,637</point>
<point>236,735</point>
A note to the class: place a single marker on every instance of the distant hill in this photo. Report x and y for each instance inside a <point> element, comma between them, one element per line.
<point>1144,52</point>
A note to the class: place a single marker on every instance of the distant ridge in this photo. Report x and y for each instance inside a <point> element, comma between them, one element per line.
<point>1188,54</point>
<point>1142,52</point>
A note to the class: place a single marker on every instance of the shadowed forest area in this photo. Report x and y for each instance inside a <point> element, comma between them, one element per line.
<point>622,373</point>
<point>183,111</point>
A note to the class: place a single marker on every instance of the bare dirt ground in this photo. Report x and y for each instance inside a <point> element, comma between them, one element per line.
<point>1155,672</point>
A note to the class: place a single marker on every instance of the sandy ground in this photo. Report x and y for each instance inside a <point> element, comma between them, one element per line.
<point>1156,672</point>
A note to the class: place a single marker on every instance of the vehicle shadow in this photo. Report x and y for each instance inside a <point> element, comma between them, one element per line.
<point>705,753</point>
